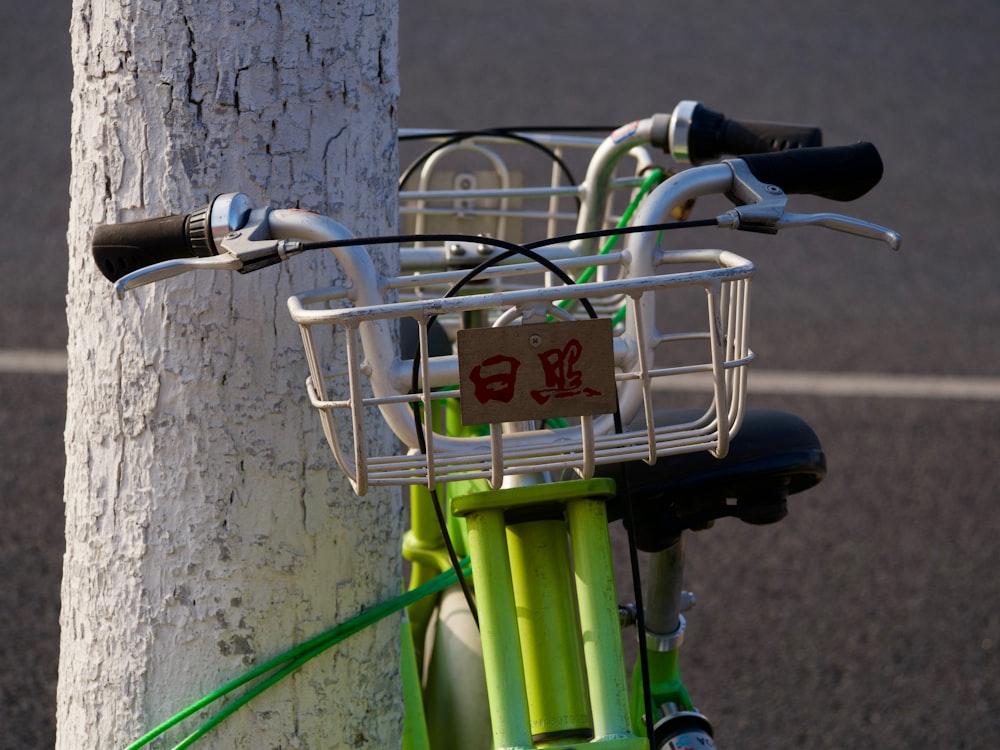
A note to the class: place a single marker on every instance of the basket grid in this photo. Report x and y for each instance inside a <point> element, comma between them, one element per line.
<point>707,348</point>
<point>505,186</point>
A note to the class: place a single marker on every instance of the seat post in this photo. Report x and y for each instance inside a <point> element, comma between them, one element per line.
<point>663,603</point>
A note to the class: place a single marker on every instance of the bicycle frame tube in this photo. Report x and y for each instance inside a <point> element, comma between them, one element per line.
<point>423,544</point>
<point>665,686</point>
<point>547,620</point>
<point>414,721</point>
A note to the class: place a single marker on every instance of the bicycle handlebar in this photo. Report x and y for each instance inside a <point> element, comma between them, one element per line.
<point>692,133</point>
<point>121,249</point>
<point>245,239</point>
<point>756,182</point>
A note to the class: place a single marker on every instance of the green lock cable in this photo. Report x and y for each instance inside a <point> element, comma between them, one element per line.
<point>291,660</point>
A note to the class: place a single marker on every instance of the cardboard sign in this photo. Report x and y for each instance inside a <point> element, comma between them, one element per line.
<point>515,373</point>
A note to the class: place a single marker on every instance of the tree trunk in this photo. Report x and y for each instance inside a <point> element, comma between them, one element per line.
<point>205,528</point>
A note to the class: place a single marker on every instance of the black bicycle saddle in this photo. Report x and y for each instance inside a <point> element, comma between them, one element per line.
<point>774,455</point>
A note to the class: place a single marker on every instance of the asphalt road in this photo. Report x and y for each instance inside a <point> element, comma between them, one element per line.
<point>870,617</point>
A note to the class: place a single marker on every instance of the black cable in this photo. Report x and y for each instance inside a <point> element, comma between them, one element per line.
<point>597,233</point>
<point>443,526</point>
<point>398,239</point>
<point>640,614</point>
<point>414,384</point>
<point>513,248</point>
<point>628,520</point>
<point>466,135</point>
<point>425,134</point>
<point>511,252</point>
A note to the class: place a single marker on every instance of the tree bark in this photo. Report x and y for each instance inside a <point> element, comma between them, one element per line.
<point>207,529</point>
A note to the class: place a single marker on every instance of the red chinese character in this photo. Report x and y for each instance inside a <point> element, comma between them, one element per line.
<point>495,378</point>
<point>561,376</point>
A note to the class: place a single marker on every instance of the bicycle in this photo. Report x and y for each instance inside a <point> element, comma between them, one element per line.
<point>531,621</point>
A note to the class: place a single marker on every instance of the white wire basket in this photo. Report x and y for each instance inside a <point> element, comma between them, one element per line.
<point>686,325</point>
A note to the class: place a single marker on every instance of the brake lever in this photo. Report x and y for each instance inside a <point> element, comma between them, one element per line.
<point>250,256</point>
<point>841,223</point>
<point>750,220</point>
<point>761,208</point>
<point>170,268</point>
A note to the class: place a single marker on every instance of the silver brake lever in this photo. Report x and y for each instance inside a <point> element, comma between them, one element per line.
<point>842,223</point>
<point>170,268</point>
<point>244,257</point>
<point>750,220</point>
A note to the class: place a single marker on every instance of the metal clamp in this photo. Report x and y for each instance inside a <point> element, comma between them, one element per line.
<point>670,641</point>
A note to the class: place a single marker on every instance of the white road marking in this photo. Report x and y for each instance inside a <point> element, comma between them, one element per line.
<point>879,386</point>
<point>32,361</point>
<point>849,384</point>
<point>858,385</point>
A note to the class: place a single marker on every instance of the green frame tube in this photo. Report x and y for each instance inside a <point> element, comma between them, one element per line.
<point>498,625</point>
<point>414,720</point>
<point>665,685</point>
<point>549,627</point>
<point>599,621</point>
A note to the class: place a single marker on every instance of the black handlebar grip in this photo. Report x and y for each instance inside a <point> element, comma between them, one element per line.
<point>709,134</point>
<point>841,173</point>
<point>120,249</point>
<point>749,137</point>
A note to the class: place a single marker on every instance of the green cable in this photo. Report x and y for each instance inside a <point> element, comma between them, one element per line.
<point>655,177</point>
<point>292,660</point>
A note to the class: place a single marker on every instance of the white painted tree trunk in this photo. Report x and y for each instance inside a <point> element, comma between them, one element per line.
<point>205,528</point>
